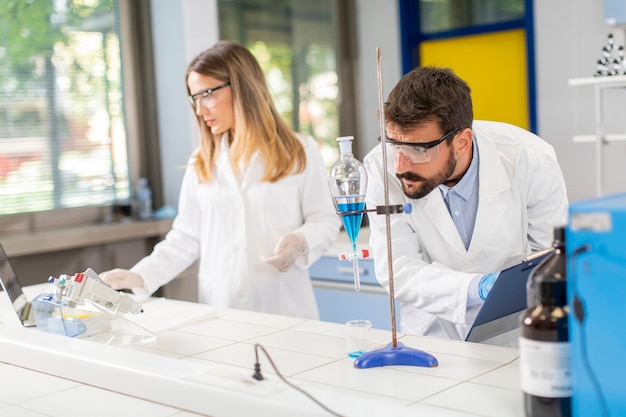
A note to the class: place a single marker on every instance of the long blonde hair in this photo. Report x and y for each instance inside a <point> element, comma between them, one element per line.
<point>258,125</point>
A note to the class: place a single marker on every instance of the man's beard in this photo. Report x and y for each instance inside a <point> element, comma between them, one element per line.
<point>426,185</point>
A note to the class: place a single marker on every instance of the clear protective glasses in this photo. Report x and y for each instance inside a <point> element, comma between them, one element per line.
<point>206,97</point>
<point>417,153</point>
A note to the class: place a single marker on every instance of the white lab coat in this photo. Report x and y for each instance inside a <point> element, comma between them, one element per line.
<point>229,224</point>
<point>522,197</point>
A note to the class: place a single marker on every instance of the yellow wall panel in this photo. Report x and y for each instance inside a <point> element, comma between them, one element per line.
<point>495,67</point>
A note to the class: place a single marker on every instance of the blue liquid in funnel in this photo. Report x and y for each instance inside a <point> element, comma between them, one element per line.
<point>351,222</point>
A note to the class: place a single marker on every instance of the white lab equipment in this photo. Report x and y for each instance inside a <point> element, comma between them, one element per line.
<point>88,286</point>
<point>102,315</point>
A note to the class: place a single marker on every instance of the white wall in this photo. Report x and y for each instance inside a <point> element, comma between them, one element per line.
<point>181,30</point>
<point>378,26</point>
<point>569,37</point>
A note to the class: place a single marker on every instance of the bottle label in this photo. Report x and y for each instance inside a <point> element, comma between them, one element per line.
<point>545,368</point>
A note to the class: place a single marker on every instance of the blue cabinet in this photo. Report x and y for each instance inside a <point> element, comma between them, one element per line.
<point>338,302</point>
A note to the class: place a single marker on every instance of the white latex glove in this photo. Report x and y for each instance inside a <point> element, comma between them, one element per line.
<point>120,279</point>
<point>287,250</point>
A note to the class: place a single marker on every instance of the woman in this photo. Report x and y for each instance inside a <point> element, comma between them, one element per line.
<point>254,204</point>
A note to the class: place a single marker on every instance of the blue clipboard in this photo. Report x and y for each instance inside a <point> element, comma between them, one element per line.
<point>506,300</point>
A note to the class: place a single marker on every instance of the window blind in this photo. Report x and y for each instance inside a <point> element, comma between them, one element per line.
<point>62,127</point>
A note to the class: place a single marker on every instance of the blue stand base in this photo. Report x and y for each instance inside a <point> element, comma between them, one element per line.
<point>399,355</point>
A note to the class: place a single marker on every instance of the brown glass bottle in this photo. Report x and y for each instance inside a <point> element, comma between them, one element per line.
<point>532,298</point>
<point>544,340</point>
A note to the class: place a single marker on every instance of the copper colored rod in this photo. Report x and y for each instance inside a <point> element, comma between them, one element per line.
<point>383,140</point>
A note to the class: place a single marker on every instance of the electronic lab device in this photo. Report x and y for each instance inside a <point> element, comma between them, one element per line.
<point>596,287</point>
<point>88,286</point>
<point>58,312</point>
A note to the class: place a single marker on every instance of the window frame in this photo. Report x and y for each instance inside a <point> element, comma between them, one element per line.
<point>411,36</point>
<point>346,51</point>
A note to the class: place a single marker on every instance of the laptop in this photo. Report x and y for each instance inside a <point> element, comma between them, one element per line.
<point>13,288</point>
<point>507,299</point>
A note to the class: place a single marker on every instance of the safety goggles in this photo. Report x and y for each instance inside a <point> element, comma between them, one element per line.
<point>206,97</point>
<point>417,153</point>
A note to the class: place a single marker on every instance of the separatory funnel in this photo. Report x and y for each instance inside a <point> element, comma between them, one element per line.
<point>348,181</point>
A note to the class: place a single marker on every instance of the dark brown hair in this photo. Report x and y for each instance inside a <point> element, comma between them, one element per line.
<point>430,94</point>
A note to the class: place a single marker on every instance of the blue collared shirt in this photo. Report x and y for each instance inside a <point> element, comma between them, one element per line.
<point>462,203</point>
<point>462,199</point>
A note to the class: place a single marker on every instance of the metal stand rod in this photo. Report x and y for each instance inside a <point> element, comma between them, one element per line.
<point>394,353</point>
<point>383,141</point>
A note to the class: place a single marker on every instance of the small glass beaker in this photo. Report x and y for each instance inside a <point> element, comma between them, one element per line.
<point>358,337</point>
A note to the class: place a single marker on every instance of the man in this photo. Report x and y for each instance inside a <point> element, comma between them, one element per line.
<point>484,195</point>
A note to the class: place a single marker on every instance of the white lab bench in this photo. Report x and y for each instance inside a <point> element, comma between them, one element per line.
<point>202,360</point>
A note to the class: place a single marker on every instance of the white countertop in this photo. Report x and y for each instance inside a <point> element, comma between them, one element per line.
<point>202,359</point>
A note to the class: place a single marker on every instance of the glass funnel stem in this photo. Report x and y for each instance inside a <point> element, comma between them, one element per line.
<point>357,278</point>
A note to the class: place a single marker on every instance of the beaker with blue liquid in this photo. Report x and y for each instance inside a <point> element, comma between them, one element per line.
<point>348,181</point>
